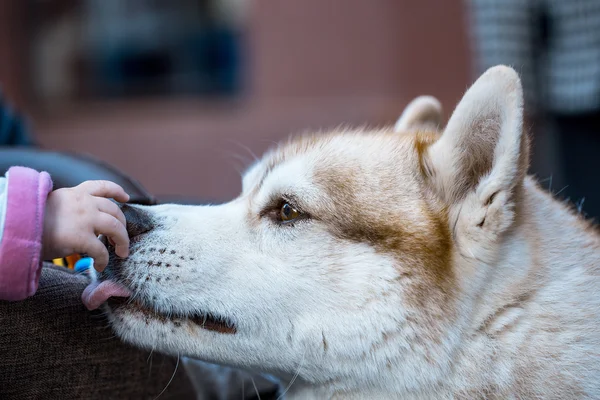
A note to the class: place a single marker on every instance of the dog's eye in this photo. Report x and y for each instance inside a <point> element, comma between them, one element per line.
<point>288,213</point>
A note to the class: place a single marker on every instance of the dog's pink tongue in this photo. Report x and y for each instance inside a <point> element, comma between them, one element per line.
<point>97,293</point>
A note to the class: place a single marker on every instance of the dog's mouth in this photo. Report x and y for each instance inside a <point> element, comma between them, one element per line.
<point>118,299</point>
<point>206,321</point>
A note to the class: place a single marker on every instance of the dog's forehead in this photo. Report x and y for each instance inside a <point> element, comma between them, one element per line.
<point>304,164</point>
<point>280,176</point>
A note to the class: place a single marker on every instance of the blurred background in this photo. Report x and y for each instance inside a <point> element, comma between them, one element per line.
<point>181,94</point>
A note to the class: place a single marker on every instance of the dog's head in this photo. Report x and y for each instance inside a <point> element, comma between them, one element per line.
<point>346,257</point>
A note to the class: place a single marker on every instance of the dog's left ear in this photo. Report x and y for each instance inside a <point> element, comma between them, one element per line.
<point>424,112</point>
<point>483,150</point>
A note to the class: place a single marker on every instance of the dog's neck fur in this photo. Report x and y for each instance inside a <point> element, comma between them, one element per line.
<point>528,298</point>
<point>528,267</point>
<point>547,242</point>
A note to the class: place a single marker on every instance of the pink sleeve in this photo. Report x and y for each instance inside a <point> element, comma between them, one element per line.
<point>21,243</point>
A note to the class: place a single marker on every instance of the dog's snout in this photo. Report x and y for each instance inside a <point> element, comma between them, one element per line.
<point>138,221</point>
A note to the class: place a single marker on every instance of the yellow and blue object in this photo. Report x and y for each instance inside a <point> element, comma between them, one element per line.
<point>76,262</point>
<point>67,262</point>
<point>84,264</point>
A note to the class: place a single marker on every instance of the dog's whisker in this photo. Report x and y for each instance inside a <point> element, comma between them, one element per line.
<point>239,157</point>
<point>150,355</point>
<point>255,388</point>
<point>150,359</point>
<point>561,190</point>
<point>580,205</point>
<point>238,162</point>
<point>243,146</point>
<point>106,339</point>
<point>282,395</point>
<point>549,180</point>
<point>170,380</point>
<point>103,327</point>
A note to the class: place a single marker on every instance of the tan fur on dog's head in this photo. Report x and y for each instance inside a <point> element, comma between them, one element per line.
<point>416,264</point>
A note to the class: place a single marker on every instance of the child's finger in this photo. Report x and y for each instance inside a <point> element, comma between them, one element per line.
<point>108,225</point>
<point>109,207</point>
<point>98,252</point>
<point>105,189</point>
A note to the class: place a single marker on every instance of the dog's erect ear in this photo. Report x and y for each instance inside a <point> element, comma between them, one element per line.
<point>483,147</point>
<point>422,112</point>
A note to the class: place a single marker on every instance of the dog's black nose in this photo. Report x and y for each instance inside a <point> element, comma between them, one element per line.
<point>138,221</point>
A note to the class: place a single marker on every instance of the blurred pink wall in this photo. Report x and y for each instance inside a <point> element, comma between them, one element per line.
<point>312,64</point>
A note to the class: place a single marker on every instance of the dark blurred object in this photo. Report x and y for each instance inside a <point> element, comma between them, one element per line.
<point>50,10</point>
<point>13,129</point>
<point>580,145</point>
<point>90,49</point>
<point>217,382</point>
<point>69,170</point>
<point>555,45</point>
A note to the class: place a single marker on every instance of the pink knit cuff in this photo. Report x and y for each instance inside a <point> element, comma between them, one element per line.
<point>21,245</point>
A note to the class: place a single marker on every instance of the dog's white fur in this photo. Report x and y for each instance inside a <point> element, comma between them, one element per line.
<point>430,266</point>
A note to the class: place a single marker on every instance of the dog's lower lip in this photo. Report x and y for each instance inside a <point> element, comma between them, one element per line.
<point>212,324</point>
<point>206,321</point>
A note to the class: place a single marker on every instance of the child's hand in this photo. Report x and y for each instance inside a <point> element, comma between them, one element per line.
<point>76,216</point>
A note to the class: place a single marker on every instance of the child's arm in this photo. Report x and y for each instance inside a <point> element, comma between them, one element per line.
<point>37,224</point>
<point>23,194</point>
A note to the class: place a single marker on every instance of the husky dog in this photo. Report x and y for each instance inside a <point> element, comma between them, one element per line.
<point>415,262</point>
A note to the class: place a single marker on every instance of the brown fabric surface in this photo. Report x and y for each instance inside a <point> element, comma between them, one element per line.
<point>51,347</point>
